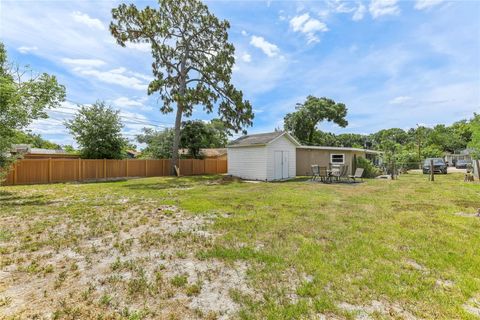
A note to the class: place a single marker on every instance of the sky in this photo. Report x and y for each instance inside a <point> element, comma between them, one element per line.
<point>393,63</point>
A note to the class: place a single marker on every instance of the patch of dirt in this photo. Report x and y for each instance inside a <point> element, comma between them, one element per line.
<point>415,265</point>
<point>472,306</point>
<point>444,284</point>
<point>384,308</point>
<point>468,215</point>
<point>145,256</point>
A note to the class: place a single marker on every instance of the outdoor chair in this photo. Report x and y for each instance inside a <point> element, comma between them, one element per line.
<point>323,174</point>
<point>315,172</point>
<point>358,175</point>
<point>343,173</point>
<point>340,172</point>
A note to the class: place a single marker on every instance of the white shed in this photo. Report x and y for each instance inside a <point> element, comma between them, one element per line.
<point>266,156</point>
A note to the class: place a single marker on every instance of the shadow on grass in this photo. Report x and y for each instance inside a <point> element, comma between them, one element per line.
<point>10,200</point>
<point>173,182</point>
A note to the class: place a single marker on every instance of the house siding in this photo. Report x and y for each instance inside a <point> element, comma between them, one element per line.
<point>305,158</point>
<point>247,162</point>
<point>281,144</point>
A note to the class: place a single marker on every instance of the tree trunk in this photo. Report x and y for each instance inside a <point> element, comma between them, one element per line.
<point>178,118</point>
<point>176,139</point>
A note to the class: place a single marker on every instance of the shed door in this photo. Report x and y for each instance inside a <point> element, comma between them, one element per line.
<point>285,165</point>
<point>278,169</point>
<point>281,165</point>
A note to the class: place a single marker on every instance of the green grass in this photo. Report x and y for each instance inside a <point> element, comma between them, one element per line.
<point>388,241</point>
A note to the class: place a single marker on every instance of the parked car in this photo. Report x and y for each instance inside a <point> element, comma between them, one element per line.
<point>462,164</point>
<point>439,165</point>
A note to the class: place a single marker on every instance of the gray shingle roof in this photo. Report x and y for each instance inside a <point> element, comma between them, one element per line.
<point>255,139</point>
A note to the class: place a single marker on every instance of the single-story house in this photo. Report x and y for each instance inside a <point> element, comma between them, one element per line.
<point>452,158</point>
<point>266,156</point>
<point>327,156</point>
<point>132,154</point>
<point>27,152</point>
<point>278,156</point>
<point>207,153</point>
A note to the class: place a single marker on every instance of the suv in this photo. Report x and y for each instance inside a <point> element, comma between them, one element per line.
<point>439,165</point>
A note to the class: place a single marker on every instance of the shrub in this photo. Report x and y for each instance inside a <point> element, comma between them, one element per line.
<point>370,170</point>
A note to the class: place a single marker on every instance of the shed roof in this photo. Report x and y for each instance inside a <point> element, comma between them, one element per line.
<point>340,149</point>
<point>261,139</point>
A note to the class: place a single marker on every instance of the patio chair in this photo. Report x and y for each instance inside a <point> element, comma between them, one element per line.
<point>315,172</point>
<point>358,175</point>
<point>323,174</point>
<point>340,172</point>
<point>343,173</point>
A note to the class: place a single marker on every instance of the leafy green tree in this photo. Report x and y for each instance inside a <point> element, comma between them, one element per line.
<point>97,130</point>
<point>70,149</point>
<point>199,134</point>
<point>474,143</point>
<point>193,60</point>
<point>219,134</point>
<point>303,122</point>
<point>321,138</point>
<point>35,140</point>
<point>384,138</point>
<point>159,143</point>
<point>195,135</point>
<point>24,97</point>
<point>351,140</point>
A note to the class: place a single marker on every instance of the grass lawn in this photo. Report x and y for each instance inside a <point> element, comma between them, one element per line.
<point>209,248</point>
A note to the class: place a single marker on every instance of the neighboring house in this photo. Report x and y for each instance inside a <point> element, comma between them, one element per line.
<point>132,154</point>
<point>266,156</point>
<point>452,158</point>
<point>278,156</point>
<point>207,153</point>
<point>27,152</point>
<point>327,156</point>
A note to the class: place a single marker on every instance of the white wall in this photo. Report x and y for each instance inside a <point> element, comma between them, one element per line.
<point>281,144</point>
<point>247,162</point>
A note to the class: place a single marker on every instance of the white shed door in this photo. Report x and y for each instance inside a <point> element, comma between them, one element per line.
<point>281,165</point>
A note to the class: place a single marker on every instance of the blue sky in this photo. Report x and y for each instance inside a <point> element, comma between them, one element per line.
<point>393,63</point>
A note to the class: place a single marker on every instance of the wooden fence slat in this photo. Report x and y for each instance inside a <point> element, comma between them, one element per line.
<point>35,171</point>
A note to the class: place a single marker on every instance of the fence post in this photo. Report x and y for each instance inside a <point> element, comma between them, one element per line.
<point>146,168</point>
<point>478,168</point>
<point>49,170</point>
<point>432,173</point>
<point>15,168</point>
<point>79,169</point>
<point>126,169</point>
<point>104,168</point>
<point>216,166</point>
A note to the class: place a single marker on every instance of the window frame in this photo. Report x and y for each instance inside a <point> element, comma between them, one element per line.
<point>337,154</point>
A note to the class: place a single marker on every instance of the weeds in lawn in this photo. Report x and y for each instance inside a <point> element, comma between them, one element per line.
<point>201,247</point>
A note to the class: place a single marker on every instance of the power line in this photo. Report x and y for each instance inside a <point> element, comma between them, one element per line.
<point>159,122</point>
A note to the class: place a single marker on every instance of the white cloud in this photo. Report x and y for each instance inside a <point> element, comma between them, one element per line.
<point>309,26</point>
<point>246,57</point>
<point>426,4</point>
<point>400,100</point>
<point>359,13</point>
<point>244,33</point>
<point>114,76</point>
<point>83,62</point>
<point>125,102</point>
<point>25,49</point>
<point>268,48</point>
<point>380,8</point>
<point>87,20</point>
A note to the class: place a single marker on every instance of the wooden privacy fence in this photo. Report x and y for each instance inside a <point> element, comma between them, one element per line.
<point>35,171</point>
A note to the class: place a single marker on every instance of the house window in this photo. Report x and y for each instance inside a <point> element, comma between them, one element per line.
<point>337,158</point>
